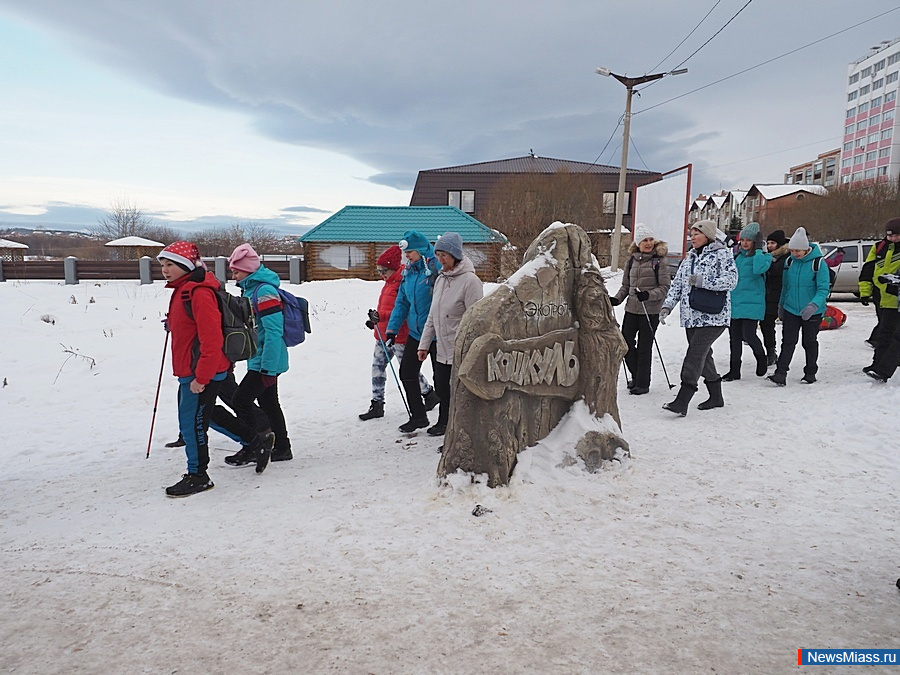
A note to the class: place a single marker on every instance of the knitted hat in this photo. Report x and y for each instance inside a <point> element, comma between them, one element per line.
<point>185,254</point>
<point>450,242</point>
<point>750,231</point>
<point>642,232</point>
<point>244,259</point>
<point>390,258</point>
<point>799,241</point>
<point>892,226</point>
<point>778,237</point>
<point>707,227</point>
<point>417,242</point>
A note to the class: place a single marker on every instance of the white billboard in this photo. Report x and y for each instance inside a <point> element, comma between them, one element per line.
<point>663,207</point>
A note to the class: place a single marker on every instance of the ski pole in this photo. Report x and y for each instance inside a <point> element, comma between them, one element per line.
<point>653,333</point>
<point>390,362</point>
<point>162,365</point>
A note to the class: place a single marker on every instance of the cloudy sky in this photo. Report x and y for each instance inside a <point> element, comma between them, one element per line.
<point>204,112</point>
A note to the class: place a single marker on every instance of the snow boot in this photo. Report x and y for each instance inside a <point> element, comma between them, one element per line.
<point>438,429</point>
<point>177,443</point>
<point>263,445</point>
<point>190,484</point>
<point>715,400</point>
<point>778,378</point>
<point>246,455</point>
<point>762,364</point>
<point>413,424</point>
<point>431,400</point>
<point>680,404</point>
<point>639,391</point>
<point>772,359</point>
<point>733,374</point>
<point>376,409</point>
<point>281,452</point>
<point>874,374</point>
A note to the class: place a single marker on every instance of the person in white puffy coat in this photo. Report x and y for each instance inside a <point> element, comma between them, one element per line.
<point>709,265</point>
<point>456,289</point>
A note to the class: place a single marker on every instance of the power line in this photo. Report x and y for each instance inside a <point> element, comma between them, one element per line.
<point>714,35</point>
<point>631,138</point>
<point>685,39</point>
<point>778,152</point>
<point>608,141</point>
<point>759,65</point>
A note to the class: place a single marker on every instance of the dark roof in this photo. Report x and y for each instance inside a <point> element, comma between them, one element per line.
<point>532,164</point>
<point>388,223</point>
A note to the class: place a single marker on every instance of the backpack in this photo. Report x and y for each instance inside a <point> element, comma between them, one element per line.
<point>296,315</point>
<point>238,325</point>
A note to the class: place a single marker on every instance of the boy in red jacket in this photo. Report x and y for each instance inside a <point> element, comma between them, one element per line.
<point>197,357</point>
<point>388,266</point>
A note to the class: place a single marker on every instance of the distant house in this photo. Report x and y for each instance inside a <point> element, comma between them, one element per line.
<point>770,204</point>
<point>346,245</point>
<point>469,187</point>
<point>12,250</point>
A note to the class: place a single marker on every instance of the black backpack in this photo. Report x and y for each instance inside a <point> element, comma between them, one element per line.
<point>238,324</point>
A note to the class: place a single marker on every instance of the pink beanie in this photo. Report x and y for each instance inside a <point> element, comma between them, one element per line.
<point>244,259</point>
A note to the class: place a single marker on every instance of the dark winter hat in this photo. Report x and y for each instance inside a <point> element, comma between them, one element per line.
<point>390,258</point>
<point>707,227</point>
<point>185,254</point>
<point>778,237</point>
<point>750,231</point>
<point>450,242</point>
<point>892,226</point>
<point>417,242</point>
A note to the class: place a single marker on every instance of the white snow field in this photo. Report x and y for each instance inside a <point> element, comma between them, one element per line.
<point>727,541</point>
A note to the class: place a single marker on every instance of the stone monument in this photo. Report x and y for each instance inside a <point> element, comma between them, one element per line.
<point>544,339</point>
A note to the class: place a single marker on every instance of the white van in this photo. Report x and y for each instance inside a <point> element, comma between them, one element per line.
<point>854,252</point>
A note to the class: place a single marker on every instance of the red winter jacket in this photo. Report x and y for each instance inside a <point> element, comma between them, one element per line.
<point>386,305</point>
<point>196,343</point>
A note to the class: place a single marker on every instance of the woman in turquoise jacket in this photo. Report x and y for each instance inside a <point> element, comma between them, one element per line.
<point>260,284</point>
<point>805,287</point>
<point>748,301</point>
<point>413,304</point>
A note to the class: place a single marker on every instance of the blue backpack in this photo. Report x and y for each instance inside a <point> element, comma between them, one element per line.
<point>296,315</point>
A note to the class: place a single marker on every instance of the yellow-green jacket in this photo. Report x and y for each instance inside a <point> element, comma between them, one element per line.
<point>883,258</point>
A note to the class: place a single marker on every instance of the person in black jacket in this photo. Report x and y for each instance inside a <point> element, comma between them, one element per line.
<point>776,244</point>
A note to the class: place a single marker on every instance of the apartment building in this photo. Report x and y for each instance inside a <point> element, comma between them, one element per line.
<point>819,171</point>
<point>871,145</point>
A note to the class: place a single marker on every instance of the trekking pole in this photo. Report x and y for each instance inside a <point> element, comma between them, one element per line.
<point>653,333</point>
<point>162,365</point>
<point>390,362</point>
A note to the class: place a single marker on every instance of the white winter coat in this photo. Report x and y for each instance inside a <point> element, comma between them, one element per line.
<point>716,265</point>
<point>454,292</point>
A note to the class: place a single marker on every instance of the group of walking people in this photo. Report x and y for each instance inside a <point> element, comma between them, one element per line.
<point>718,289</point>
<point>419,311</point>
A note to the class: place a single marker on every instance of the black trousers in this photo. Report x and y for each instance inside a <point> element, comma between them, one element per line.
<point>442,372</point>
<point>252,389</point>
<point>792,326</point>
<point>410,366</point>
<point>767,327</point>
<point>889,357</point>
<point>739,332</point>
<point>887,326</point>
<point>638,331</point>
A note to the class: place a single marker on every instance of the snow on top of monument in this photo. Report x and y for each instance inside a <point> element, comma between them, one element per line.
<point>529,269</point>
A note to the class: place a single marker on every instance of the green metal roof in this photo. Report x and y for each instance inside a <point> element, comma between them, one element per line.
<point>388,223</point>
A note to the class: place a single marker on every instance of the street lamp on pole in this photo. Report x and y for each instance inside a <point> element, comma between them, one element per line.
<point>630,83</point>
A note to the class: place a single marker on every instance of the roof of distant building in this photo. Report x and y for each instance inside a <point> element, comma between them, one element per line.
<point>776,190</point>
<point>535,164</point>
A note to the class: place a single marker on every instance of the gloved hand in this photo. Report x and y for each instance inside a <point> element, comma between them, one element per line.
<point>389,339</point>
<point>808,311</point>
<point>781,312</point>
<point>269,380</point>
<point>614,301</point>
<point>866,300</point>
<point>370,325</point>
<point>165,323</point>
<point>892,289</point>
<point>663,313</point>
<point>643,296</point>
<point>695,280</point>
<point>759,243</point>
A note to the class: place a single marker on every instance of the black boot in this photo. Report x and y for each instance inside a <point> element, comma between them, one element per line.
<point>762,364</point>
<point>772,359</point>
<point>190,484</point>
<point>680,404</point>
<point>282,452</point>
<point>778,378</point>
<point>414,423</point>
<point>431,400</point>
<point>733,374</point>
<point>715,400</point>
<point>376,409</point>
<point>177,443</point>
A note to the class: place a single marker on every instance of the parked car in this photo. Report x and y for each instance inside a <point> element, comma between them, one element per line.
<point>854,254</point>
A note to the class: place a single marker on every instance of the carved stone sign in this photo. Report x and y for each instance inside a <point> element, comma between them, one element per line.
<point>543,339</point>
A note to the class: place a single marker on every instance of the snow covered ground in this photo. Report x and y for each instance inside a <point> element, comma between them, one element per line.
<point>728,540</point>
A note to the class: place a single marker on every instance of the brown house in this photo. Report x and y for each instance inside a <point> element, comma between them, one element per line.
<point>469,186</point>
<point>770,205</point>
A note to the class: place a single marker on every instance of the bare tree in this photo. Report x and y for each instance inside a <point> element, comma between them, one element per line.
<point>847,213</point>
<point>124,219</point>
<point>222,241</point>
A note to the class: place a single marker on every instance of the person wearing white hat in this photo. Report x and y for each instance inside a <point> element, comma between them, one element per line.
<point>805,287</point>
<point>645,282</point>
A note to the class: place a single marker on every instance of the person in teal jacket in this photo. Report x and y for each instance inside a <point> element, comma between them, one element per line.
<point>748,301</point>
<point>260,284</point>
<point>804,290</point>
<point>412,306</point>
